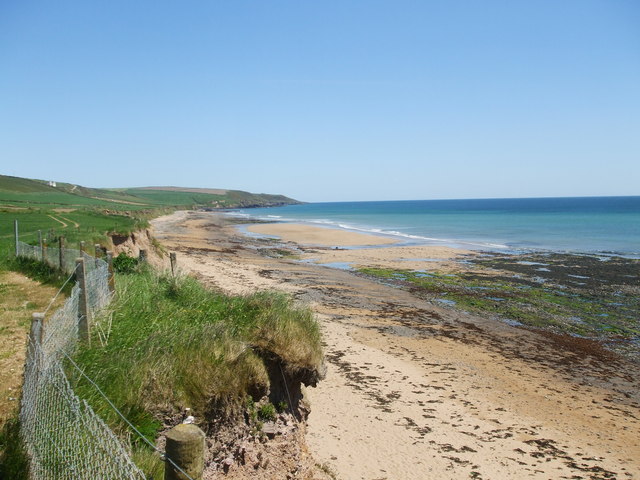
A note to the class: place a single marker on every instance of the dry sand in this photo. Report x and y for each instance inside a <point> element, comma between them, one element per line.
<point>416,391</point>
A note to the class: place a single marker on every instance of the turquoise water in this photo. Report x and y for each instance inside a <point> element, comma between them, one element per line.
<point>584,225</point>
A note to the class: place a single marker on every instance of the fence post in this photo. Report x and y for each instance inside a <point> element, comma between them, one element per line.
<point>41,244</point>
<point>44,252</point>
<point>82,247</point>
<point>37,330</point>
<point>185,447</point>
<point>84,320</point>
<point>112,278</point>
<point>61,252</point>
<point>142,256</point>
<point>15,231</point>
<point>98,255</point>
<point>174,260</point>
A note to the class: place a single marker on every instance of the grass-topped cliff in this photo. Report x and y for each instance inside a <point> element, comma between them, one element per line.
<point>165,344</point>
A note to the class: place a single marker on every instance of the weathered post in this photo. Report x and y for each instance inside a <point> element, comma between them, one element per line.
<point>44,252</point>
<point>15,231</point>
<point>35,340</point>
<point>185,448</point>
<point>98,253</point>
<point>112,278</point>
<point>61,252</point>
<point>41,244</point>
<point>174,261</point>
<point>142,256</point>
<point>84,313</point>
<point>37,329</point>
<point>82,247</point>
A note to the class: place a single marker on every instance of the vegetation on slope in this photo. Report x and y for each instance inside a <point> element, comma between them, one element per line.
<point>168,343</point>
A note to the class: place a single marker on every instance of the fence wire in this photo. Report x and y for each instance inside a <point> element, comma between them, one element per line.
<point>64,438</point>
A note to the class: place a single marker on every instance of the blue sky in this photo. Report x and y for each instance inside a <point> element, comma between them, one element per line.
<point>325,101</point>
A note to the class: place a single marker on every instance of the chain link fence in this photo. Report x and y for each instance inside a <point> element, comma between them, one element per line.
<point>64,438</point>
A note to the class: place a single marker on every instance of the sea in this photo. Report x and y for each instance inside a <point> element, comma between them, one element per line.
<point>591,225</point>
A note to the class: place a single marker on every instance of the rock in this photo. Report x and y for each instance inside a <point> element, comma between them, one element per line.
<point>269,429</point>
<point>226,464</point>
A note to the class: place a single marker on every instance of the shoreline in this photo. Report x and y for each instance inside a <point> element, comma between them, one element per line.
<point>415,390</point>
<point>508,233</point>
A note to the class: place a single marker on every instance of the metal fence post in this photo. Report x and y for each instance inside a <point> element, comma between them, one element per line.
<point>112,278</point>
<point>84,313</point>
<point>61,252</point>
<point>15,231</point>
<point>185,447</point>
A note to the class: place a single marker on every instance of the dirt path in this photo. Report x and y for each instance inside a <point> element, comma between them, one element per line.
<point>64,225</point>
<point>75,224</point>
<point>20,297</point>
<point>415,391</point>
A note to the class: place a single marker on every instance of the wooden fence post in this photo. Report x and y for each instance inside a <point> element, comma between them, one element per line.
<point>61,253</point>
<point>98,249</point>
<point>37,329</point>
<point>84,312</point>
<point>112,278</point>
<point>15,231</point>
<point>185,447</point>
<point>35,341</point>
<point>174,261</point>
<point>82,247</point>
<point>41,244</point>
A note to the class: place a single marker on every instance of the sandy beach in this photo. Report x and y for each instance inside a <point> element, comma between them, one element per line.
<point>414,390</point>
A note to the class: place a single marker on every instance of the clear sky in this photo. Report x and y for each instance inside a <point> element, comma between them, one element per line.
<point>325,100</point>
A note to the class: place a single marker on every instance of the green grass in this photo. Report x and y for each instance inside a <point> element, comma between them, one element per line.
<point>14,463</point>
<point>168,343</point>
<point>93,227</point>
<point>162,197</point>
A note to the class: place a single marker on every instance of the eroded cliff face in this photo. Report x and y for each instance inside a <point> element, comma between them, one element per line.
<point>141,240</point>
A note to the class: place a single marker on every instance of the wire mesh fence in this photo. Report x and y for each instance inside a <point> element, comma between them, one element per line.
<point>64,438</point>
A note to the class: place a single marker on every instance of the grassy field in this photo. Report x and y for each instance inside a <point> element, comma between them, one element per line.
<point>18,192</point>
<point>89,214</point>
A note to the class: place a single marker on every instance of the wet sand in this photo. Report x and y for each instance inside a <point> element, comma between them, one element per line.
<point>416,391</point>
<point>326,237</point>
